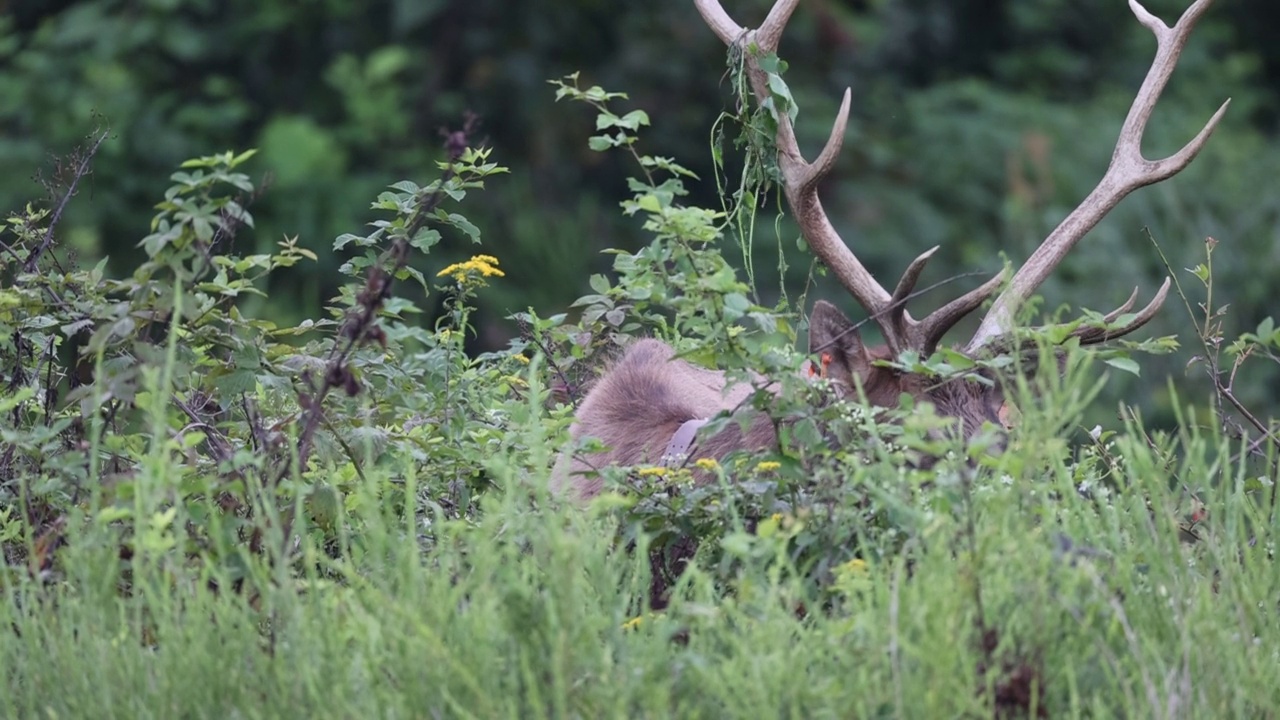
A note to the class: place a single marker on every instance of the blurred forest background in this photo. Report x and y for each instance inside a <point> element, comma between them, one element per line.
<point>977,125</point>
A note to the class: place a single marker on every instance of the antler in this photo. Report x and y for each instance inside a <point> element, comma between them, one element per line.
<point>1093,334</point>
<point>800,184</point>
<point>1128,171</point>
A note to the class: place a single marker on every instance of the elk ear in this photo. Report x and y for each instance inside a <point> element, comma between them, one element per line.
<point>834,339</point>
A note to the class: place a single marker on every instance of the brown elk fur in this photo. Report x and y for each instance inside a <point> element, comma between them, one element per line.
<point>638,404</point>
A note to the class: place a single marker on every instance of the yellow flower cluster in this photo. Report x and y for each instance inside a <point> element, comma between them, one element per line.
<point>856,566</point>
<point>707,463</point>
<point>768,465</point>
<point>473,270</point>
<point>853,578</point>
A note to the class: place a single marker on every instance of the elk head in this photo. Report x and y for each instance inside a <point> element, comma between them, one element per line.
<point>847,360</point>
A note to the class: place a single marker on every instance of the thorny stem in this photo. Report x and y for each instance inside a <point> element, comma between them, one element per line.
<point>29,265</point>
<point>81,170</point>
<point>360,324</point>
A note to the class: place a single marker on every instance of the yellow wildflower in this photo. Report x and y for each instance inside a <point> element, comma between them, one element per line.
<point>473,270</point>
<point>856,566</point>
<point>776,523</point>
<point>645,472</point>
<point>768,465</point>
<point>636,621</point>
<point>521,358</point>
<point>707,463</point>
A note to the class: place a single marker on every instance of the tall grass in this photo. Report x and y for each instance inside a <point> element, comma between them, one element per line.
<point>1031,597</point>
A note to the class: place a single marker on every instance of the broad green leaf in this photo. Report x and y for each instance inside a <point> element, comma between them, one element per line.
<point>1124,364</point>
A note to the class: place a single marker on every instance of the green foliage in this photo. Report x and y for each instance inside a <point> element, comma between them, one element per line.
<point>530,611</point>
<point>207,511</point>
<point>153,409</point>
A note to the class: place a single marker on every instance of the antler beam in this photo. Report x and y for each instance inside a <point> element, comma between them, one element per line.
<point>1128,171</point>
<point>801,179</point>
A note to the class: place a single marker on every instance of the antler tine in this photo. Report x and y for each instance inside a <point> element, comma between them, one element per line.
<point>907,282</point>
<point>808,175</point>
<point>938,322</point>
<point>1124,308</point>
<point>801,178</point>
<point>719,21</point>
<point>770,32</point>
<point>1095,335</point>
<point>1090,334</point>
<point>1128,171</point>
<point>897,325</point>
<point>1169,45</point>
<point>767,36</point>
<point>903,333</point>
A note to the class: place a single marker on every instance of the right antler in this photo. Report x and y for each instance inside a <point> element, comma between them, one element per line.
<point>800,183</point>
<point>1128,171</point>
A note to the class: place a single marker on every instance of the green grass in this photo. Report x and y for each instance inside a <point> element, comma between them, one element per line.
<point>521,614</point>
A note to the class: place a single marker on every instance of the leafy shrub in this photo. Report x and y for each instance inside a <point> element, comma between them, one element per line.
<point>107,377</point>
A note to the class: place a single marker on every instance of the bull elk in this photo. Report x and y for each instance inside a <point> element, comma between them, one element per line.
<point>649,406</point>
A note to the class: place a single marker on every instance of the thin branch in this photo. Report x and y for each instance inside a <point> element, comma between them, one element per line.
<point>360,324</point>
<point>82,169</point>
